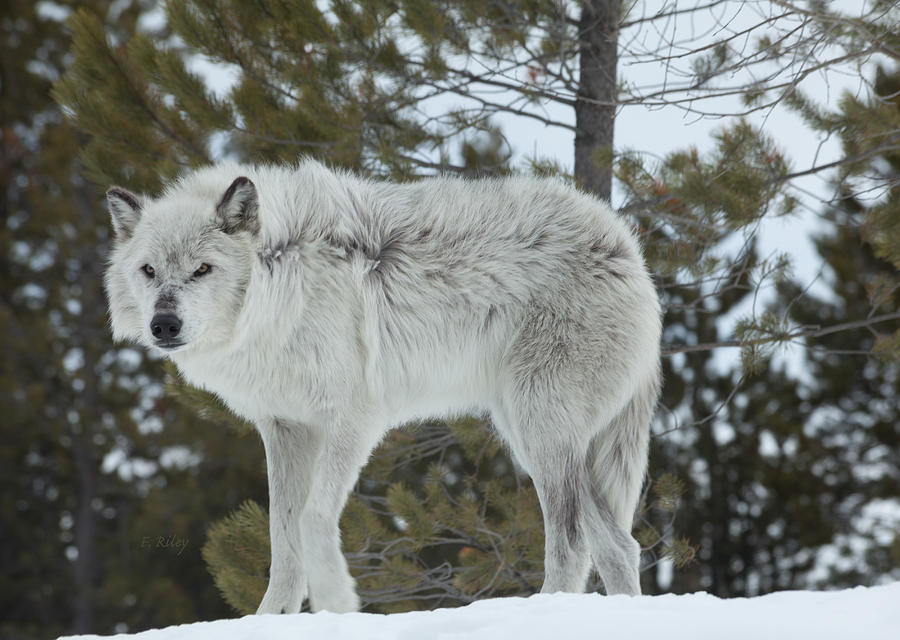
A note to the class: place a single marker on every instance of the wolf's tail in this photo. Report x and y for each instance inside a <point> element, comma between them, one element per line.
<point>617,459</point>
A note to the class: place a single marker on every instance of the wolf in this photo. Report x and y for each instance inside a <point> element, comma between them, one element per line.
<point>328,308</point>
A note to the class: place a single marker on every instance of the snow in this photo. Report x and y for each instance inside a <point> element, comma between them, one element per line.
<point>859,614</point>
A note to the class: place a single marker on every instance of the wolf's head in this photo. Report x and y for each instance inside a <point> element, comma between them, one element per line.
<point>180,264</point>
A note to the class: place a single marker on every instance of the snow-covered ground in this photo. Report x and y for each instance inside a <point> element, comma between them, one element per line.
<point>855,614</point>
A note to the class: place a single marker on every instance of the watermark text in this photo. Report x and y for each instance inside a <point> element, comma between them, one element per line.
<point>174,543</point>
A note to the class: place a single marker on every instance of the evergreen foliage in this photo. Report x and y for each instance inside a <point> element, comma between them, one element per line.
<point>452,527</point>
<point>237,553</point>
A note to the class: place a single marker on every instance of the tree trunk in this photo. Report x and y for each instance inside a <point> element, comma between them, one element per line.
<point>89,405</point>
<point>595,108</point>
<point>85,533</point>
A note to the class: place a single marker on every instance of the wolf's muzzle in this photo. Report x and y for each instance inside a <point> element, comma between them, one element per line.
<point>165,327</point>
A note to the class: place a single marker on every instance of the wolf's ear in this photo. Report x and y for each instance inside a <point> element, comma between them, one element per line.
<point>125,211</point>
<point>237,210</point>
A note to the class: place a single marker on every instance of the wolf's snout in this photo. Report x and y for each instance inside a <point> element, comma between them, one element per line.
<point>165,327</point>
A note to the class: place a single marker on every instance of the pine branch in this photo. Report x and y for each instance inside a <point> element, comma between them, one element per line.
<point>890,144</point>
<point>806,333</point>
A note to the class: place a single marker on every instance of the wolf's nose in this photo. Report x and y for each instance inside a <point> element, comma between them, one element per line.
<point>165,326</point>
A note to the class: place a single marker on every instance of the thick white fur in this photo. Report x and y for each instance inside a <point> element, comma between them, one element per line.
<point>339,307</point>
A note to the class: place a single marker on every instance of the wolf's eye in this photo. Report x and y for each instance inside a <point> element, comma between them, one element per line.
<point>148,271</point>
<point>203,270</point>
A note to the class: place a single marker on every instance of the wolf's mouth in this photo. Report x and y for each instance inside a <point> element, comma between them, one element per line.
<point>169,345</point>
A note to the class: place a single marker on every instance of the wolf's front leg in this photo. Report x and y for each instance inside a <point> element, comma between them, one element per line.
<point>331,587</point>
<point>291,452</point>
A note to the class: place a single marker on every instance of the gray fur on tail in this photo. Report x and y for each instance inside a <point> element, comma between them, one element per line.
<point>618,454</point>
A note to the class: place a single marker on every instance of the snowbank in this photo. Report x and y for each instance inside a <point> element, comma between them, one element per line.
<point>856,614</point>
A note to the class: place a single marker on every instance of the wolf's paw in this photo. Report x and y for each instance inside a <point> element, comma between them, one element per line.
<point>335,601</point>
<point>282,600</point>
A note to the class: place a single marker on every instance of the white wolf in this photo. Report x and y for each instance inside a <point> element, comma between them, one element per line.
<point>328,308</point>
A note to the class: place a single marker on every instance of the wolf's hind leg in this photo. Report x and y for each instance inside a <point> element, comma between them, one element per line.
<point>617,461</point>
<point>291,452</point>
<point>558,477</point>
<point>566,557</point>
<point>578,524</point>
<point>616,554</point>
